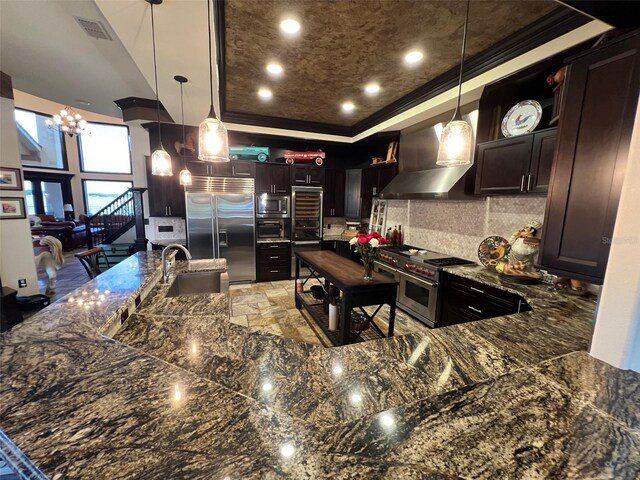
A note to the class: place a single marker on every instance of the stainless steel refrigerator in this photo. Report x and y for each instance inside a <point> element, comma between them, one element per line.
<point>221,223</point>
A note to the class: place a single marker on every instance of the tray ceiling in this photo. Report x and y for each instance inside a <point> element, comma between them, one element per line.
<point>345,44</point>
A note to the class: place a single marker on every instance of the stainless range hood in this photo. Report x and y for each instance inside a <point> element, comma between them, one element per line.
<point>420,178</point>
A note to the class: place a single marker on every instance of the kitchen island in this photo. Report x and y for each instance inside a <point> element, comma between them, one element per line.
<point>348,277</point>
<point>180,392</point>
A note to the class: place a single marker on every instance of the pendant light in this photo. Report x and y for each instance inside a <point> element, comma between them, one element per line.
<point>213,142</point>
<point>160,159</point>
<point>185,174</point>
<point>455,141</point>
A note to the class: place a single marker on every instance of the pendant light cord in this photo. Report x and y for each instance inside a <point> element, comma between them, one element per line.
<point>155,73</point>
<point>464,45</point>
<point>184,138</point>
<point>211,109</point>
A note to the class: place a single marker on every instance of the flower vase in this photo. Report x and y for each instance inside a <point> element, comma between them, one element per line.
<point>368,271</point>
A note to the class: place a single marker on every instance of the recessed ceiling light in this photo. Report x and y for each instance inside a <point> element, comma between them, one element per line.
<point>348,107</point>
<point>274,68</point>
<point>413,56</point>
<point>372,88</point>
<point>265,93</point>
<point>83,102</point>
<point>290,26</point>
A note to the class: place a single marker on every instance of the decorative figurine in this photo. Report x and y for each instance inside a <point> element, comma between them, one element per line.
<point>525,245</point>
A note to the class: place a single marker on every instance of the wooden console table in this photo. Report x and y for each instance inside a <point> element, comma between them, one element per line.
<point>347,276</point>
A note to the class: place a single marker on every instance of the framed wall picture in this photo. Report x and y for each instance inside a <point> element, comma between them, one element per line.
<point>12,207</point>
<point>10,179</point>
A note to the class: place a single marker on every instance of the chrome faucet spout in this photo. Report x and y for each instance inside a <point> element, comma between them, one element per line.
<point>166,271</point>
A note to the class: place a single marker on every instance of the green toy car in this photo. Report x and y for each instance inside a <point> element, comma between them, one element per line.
<point>249,153</point>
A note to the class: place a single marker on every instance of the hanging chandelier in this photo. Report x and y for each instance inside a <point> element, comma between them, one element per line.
<point>160,159</point>
<point>455,140</point>
<point>67,121</point>
<point>185,174</point>
<point>213,142</point>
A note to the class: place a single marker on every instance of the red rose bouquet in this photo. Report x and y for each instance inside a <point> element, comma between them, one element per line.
<point>368,246</point>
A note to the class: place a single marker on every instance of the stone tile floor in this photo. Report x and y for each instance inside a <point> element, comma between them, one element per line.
<point>270,307</point>
<point>267,306</point>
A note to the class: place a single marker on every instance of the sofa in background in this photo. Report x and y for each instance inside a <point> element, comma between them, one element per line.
<point>70,234</point>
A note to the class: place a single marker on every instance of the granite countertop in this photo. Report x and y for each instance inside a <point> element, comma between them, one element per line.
<point>180,391</point>
<point>335,237</point>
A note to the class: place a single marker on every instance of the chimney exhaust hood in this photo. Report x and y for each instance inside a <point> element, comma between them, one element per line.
<point>420,178</point>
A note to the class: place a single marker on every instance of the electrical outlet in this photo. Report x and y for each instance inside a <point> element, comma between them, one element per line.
<point>22,282</point>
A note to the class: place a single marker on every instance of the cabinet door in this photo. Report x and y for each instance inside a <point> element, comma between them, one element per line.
<point>338,193</point>
<point>242,169</point>
<point>156,186</point>
<point>328,193</point>
<point>220,169</point>
<point>353,187</point>
<point>263,178</point>
<point>279,177</point>
<point>370,178</point>
<point>175,198</point>
<point>198,168</point>
<point>316,176</point>
<point>299,174</point>
<point>592,147</point>
<point>544,149</point>
<point>503,166</point>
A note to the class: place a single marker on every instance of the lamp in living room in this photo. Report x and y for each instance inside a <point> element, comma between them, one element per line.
<point>68,212</point>
<point>160,159</point>
<point>67,121</point>
<point>213,141</point>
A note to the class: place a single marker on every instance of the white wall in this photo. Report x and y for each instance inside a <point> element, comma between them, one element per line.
<point>139,140</point>
<point>16,249</point>
<point>616,338</point>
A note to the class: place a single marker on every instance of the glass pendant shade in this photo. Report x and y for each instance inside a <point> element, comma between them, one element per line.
<point>455,144</point>
<point>185,177</point>
<point>213,141</point>
<point>161,163</point>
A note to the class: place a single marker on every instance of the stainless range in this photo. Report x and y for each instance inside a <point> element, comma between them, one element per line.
<point>418,275</point>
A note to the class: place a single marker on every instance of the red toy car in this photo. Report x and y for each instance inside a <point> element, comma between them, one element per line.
<point>317,157</point>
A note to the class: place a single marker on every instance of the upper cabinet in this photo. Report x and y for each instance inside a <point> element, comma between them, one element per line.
<point>166,195</point>
<point>374,179</point>
<point>307,175</point>
<point>515,165</point>
<point>334,192</point>
<point>272,178</point>
<point>597,116</point>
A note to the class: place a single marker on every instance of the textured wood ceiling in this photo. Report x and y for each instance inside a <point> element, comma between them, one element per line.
<point>344,44</point>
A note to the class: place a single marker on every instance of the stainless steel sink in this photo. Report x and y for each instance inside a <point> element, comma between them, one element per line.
<point>198,283</point>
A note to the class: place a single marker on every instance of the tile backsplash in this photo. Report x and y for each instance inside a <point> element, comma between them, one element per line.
<point>157,224</point>
<point>457,227</point>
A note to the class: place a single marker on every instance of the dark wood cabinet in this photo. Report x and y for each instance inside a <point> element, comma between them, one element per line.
<point>374,179</point>
<point>465,300</point>
<point>243,169</point>
<point>333,194</point>
<point>273,261</point>
<point>166,195</point>
<point>517,165</point>
<point>544,149</point>
<point>307,175</point>
<point>273,178</point>
<point>597,116</point>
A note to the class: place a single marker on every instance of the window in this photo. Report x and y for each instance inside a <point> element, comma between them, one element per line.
<point>40,146</point>
<point>47,193</point>
<point>104,148</point>
<point>99,193</point>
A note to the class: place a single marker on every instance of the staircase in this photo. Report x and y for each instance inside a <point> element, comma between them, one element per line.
<point>118,217</point>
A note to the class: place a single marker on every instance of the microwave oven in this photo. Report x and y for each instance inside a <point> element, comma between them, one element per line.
<point>270,205</point>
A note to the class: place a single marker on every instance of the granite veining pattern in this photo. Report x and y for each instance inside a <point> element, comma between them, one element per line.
<point>181,392</point>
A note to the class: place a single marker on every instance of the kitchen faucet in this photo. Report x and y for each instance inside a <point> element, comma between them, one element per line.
<point>167,271</point>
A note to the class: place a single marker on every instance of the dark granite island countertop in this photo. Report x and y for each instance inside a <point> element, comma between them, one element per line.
<point>183,393</point>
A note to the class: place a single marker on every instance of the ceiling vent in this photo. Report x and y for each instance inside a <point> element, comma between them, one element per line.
<point>94,28</point>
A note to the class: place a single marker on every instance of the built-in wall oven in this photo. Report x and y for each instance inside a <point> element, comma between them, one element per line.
<point>273,229</point>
